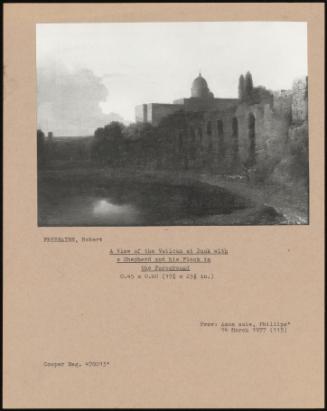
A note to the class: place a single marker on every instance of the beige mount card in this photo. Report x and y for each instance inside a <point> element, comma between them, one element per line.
<point>164,205</point>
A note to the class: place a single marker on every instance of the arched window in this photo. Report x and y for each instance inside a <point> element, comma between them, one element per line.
<point>221,142</point>
<point>209,128</point>
<point>192,134</point>
<point>235,137</point>
<point>251,134</point>
<point>192,144</point>
<point>180,142</point>
<point>200,134</point>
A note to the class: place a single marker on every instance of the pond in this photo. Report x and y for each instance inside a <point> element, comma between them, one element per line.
<point>126,203</point>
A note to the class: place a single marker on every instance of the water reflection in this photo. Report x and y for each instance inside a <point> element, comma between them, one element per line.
<point>116,214</point>
<point>128,204</point>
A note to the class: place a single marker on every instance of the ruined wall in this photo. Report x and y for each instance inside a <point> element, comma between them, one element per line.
<point>281,134</point>
<point>293,169</point>
<point>300,100</point>
<point>243,114</point>
<point>221,140</point>
<point>271,126</point>
<point>206,141</point>
<point>282,103</point>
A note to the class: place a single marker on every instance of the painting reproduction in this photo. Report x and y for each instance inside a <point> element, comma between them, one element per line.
<point>172,124</point>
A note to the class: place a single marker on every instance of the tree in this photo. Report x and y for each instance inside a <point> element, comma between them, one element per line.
<point>97,145</point>
<point>99,134</point>
<point>108,143</point>
<point>41,149</point>
<point>135,131</point>
<point>241,85</point>
<point>248,85</point>
<point>114,131</point>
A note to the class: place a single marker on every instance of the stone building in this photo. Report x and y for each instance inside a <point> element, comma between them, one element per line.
<point>226,135</point>
<point>202,99</point>
<point>260,130</point>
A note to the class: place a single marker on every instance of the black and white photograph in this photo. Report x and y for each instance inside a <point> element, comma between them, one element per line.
<point>172,124</point>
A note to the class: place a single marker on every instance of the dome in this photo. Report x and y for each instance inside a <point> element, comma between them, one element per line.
<point>200,87</point>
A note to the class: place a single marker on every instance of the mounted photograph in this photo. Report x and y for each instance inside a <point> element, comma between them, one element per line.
<point>172,124</point>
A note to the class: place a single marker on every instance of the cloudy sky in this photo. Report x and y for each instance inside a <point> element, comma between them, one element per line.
<point>91,74</point>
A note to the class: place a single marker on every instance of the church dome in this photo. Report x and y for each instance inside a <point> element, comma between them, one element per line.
<point>200,87</point>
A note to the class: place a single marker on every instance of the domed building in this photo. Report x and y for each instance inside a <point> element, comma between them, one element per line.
<point>225,135</point>
<point>202,99</point>
<point>200,88</point>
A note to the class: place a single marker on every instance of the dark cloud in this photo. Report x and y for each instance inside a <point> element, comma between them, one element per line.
<point>68,101</point>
